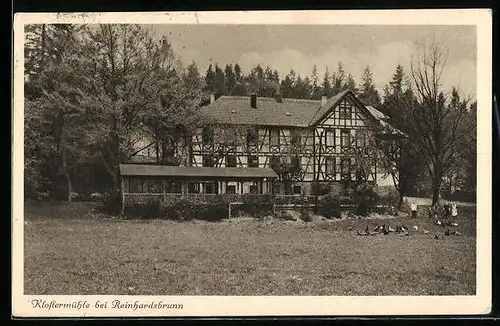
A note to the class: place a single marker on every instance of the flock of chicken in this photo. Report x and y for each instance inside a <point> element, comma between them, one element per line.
<point>403,230</point>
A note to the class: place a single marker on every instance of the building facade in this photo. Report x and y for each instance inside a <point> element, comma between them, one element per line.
<point>305,142</point>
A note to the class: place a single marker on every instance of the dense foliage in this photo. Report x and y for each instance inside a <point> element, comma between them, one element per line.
<point>93,92</point>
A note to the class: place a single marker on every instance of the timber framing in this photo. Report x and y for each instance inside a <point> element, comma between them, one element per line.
<point>322,140</point>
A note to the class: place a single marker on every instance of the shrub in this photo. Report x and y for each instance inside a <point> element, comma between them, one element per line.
<point>257,206</point>
<point>112,204</point>
<point>305,215</point>
<point>320,188</point>
<point>186,208</point>
<point>329,206</point>
<point>365,198</point>
<point>179,208</point>
<point>142,206</point>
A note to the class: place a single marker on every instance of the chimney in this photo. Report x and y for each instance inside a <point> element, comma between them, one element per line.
<point>324,99</point>
<point>212,98</point>
<point>253,101</point>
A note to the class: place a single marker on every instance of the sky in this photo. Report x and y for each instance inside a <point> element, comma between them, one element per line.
<point>285,47</point>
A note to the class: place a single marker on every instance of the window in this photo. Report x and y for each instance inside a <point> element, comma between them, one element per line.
<point>230,161</point>
<point>345,138</point>
<point>172,187</point>
<point>252,136</point>
<point>230,189</point>
<point>330,166</point>
<point>295,137</point>
<point>210,188</point>
<point>330,138</point>
<point>194,188</point>
<point>254,189</point>
<point>274,137</point>
<point>345,111</point>
<point>208,161</point>
<point>135,185</point>
<point>253,161</point>
<point>152,186</point>
<point>297,190</point>
<point>208,135</point>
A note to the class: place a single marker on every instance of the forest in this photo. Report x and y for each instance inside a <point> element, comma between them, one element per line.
<point>90,89</point>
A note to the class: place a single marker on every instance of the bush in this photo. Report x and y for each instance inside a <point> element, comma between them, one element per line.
<point>142,206</point>
<point>329,206</point>
<point>365,198</point>
<point>185,208</point>
<point>256,206</point>
<point>320,188</point>
<point>112,204</point>
<point>305,215</point>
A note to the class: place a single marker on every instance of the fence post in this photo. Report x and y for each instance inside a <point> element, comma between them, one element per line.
<point>123,203</point>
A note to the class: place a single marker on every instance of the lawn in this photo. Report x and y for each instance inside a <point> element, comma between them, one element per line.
<point>69,250</point>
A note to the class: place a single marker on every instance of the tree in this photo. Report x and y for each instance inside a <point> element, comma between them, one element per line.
<point>316,91</point>
<point>435,121</point>
<point>230,78</point>
<point>350,84</point>
<point>210,79</point>
<point>219,82</point>
<point>368,94</point>
<point>52,125</point>
<point>192,81</point>
<point>338,79</point>
<point>399,158</point>
<point>287,85</point>
<point>237,72</point>
<point>326,86</point>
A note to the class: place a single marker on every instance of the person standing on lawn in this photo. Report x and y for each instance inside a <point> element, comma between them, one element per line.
<point>413,208</point>
<point>454,210</point>
<point>447,210</point>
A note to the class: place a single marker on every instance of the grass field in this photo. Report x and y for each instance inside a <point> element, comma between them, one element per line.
<point>69,250</point>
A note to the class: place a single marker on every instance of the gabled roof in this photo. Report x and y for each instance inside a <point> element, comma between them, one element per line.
<point>324,109</point>
<point>269,112</point>
<point>147,170</point>
<point>288,112</point>
<point>376,113</point>
<point>237,110</point>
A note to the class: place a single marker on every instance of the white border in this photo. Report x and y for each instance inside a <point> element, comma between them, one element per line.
<point>269,305</point>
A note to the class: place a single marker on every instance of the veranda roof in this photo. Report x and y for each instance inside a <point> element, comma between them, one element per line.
<point>148,170</point>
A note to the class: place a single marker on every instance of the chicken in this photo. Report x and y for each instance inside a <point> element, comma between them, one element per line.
<point>426,232</point>
<point>454,224</point>
<point>390,229</point>
<point>416,228</point>
<point>436,237</point>
<point>438,222</point>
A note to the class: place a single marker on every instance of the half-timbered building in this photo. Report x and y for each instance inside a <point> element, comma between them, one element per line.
<point>303,141</point>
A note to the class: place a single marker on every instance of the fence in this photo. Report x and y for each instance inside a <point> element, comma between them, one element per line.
<point>199,197</point>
